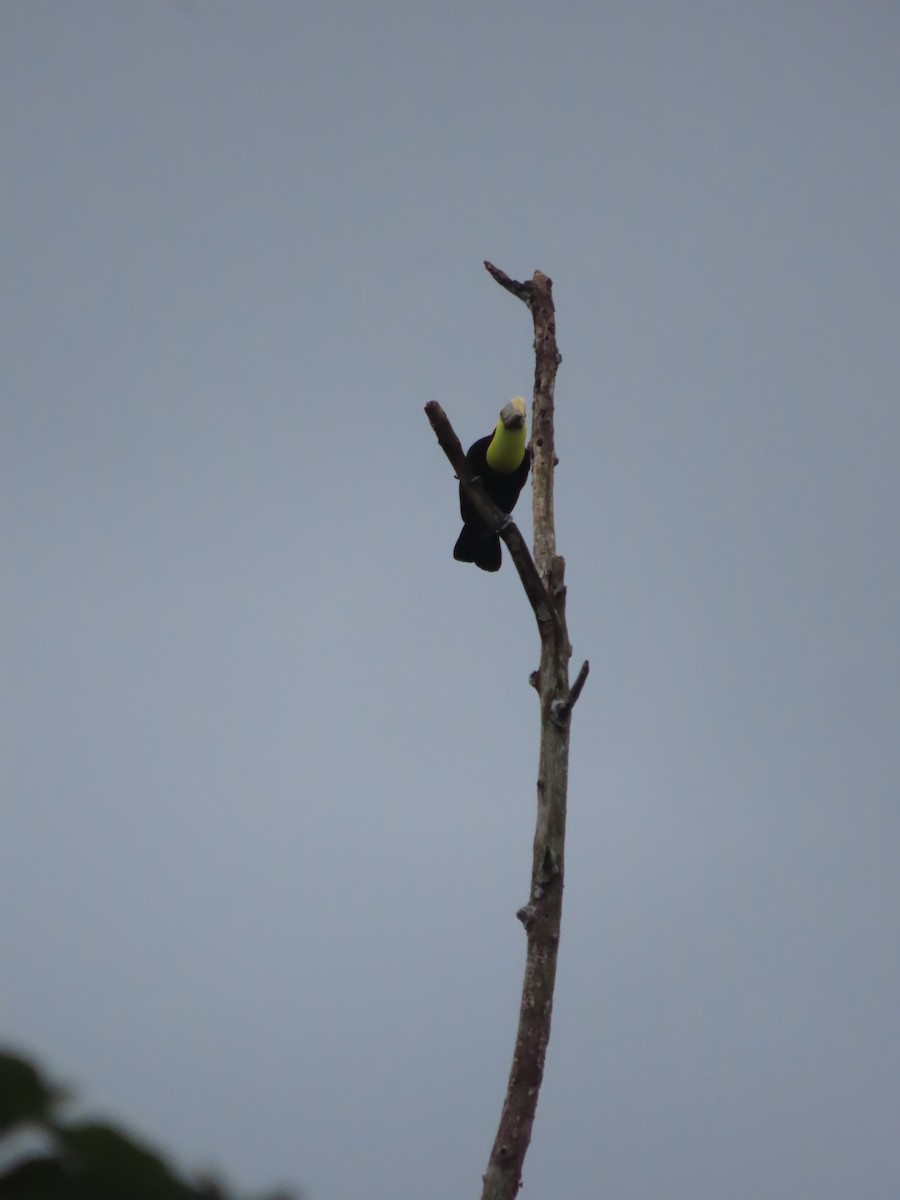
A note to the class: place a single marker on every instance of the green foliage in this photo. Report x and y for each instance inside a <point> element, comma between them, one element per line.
<point>24,1095</point>
<point>80,1160</point>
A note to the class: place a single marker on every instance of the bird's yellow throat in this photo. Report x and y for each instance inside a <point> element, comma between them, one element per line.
<point>507,448</point>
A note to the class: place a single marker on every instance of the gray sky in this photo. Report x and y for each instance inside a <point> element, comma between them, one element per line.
<point>270,753</point>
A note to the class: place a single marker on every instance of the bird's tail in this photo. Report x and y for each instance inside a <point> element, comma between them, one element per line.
<point>474,547</point>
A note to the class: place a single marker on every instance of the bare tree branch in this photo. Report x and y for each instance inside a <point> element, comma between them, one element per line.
<point>544,583</point>
<point>543,912</point>
<point>522,290</point>
<point>562,710</point>
<point>496,519</point>
<point>546,360</point>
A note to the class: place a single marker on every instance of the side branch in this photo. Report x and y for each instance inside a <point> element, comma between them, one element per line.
<point>545,610</point>
<point>579,683</point>
<point>561,710</point>
<point>522,290</point>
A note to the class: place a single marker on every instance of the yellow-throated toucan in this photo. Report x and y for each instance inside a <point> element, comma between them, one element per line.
<point>501,461</point>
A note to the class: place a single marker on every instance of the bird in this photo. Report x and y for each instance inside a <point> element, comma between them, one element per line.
<point>501,461</point>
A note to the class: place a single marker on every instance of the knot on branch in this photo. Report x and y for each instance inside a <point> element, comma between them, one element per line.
<point>527,914</point>
<point>556,583</point>
<point>550,868</point>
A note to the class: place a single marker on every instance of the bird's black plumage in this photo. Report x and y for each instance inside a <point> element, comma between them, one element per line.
<point>477,543</point>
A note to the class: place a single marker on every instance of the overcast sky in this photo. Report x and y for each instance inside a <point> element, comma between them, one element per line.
<point>270,752</point>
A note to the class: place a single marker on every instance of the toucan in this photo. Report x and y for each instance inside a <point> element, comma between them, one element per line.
<point>501,461</point>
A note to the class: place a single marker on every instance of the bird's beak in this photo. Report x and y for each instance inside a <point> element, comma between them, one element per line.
<point>511,417</point>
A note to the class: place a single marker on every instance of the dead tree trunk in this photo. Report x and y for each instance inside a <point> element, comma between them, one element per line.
<point>543,580</point>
